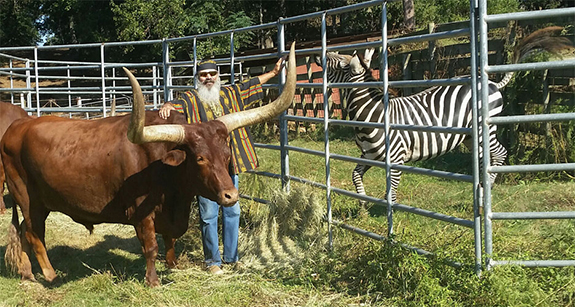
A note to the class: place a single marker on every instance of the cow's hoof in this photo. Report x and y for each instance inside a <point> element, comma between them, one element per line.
<point>50,276</point>
<point>28,278</point>
<point>171,264</point>
<point>153,283</point>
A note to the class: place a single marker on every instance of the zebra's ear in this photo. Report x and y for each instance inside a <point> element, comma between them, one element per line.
<point>367,56</point>
<point>356,65</point>
<point>317,59</point>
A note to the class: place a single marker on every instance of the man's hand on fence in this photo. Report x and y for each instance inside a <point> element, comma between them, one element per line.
<point>279,65</point>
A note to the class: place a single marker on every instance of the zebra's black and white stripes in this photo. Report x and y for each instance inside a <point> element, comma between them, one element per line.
<point>443,106</point>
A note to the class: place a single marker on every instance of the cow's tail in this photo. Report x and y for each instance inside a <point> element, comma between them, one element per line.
<point>13,256</point>
<point>545,39</point>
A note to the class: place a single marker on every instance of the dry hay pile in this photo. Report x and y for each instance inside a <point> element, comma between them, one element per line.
<point>283,233</point>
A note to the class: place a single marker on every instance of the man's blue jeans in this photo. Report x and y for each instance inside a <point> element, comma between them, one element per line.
<point>209,227</point>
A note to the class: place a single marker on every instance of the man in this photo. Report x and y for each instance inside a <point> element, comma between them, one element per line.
<point>208,102</point>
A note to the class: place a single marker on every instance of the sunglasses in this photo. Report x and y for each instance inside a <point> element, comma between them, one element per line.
<point>206,73</point>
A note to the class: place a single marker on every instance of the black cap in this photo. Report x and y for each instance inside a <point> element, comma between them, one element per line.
<point>207,65</point>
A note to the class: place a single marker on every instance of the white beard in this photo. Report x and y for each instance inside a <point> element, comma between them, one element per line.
<point>209,95</point>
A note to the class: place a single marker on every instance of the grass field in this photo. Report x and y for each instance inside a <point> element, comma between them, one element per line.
<point>284,249</point>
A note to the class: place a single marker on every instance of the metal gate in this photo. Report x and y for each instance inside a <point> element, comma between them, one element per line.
<point>160,85</point>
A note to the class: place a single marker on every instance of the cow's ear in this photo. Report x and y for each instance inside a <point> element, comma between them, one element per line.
<point>174,157</point>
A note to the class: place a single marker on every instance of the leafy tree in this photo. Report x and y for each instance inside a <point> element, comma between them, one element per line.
<point>76,21</point>
<point>148,19</point>
<point>137,20</point>
<point>17,23</point>
<point>206,16</point>
<point>408,14</point>
<point>442,11</point>
<point>534,5</point>
<point>156,19</point>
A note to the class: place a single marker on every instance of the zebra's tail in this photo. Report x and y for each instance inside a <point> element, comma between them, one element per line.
<point>545,39</point>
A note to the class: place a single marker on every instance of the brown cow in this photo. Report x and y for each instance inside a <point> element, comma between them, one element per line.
<point>92,172</point>
<point>8,114</point>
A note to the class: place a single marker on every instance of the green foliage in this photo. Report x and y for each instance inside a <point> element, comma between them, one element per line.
<point>75,21</point>
<point>385,274</point>
<point>137,20</point>
<point>209,17</point>
<point>336,132</point>
<point>17,27</point>
<point>536,143</point>
<point>444,11</point>
<point>534,5</point>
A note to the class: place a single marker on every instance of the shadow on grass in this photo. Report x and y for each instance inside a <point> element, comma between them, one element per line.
<point>456,161</point>
<point>122,257</point>
<point>377,210</point>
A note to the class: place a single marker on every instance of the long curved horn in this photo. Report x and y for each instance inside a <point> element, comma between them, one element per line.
<point>137,133</point>
<point>253,116</point>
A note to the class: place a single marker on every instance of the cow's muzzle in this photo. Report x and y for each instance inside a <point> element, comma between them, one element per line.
<point>228,198</point>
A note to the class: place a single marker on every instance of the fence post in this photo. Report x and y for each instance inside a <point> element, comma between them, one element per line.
<point>69,92</point>
<point>547,104</point>
<point>283,121</point>
<point>37,81</point>
<point>431,49</point>
<point>195,42</point>
<point>103,75</point>
<point>477,201</point>
<point>326,128</point>
<point>155,84</point>
<point>28,84</point>
<point>232,59</point>
<point>167,70</point>
<point>11,84</point>
<point>406,73</point>
<point>113,95</point>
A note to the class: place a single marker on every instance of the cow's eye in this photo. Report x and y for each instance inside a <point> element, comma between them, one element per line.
<point>201,159</point>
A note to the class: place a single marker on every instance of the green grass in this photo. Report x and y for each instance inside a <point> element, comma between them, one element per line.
<point>287,263</point>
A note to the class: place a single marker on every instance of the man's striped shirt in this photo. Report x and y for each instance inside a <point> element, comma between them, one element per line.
<point>233,98</point>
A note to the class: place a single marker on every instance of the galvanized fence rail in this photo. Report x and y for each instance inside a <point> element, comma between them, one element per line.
<point>160,85</point>
<point>80,99</point>
<point>484,20</point>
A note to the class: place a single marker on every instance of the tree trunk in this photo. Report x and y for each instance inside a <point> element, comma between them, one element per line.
<point>408,15</point>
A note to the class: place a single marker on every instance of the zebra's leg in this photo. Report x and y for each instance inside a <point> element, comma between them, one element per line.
<point>498,154</point>
<point>357,178</point>
<point>395,177</point>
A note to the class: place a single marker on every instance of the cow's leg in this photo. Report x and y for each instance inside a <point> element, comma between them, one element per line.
<point>25,264</point>
<point>35,230</point>
<point>146,233</point>
<point>169,243</point>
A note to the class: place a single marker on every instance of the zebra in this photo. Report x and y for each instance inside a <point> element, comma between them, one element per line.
<point>444,106</point>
